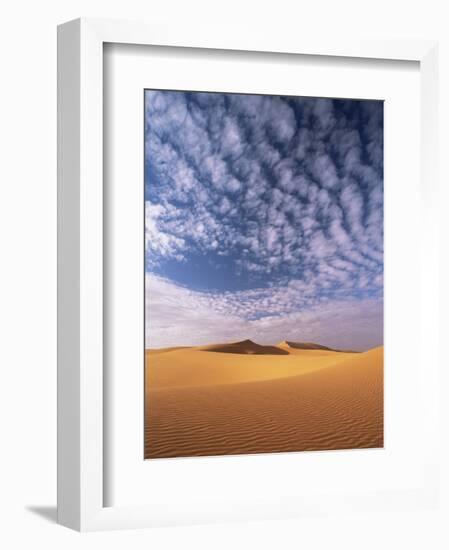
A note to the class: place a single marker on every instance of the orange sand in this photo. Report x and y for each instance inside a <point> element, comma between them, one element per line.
<point>244,398</point>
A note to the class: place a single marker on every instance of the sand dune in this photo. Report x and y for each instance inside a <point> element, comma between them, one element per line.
<point>308,346</point>
<point>245,347</point>
<point>202,401</point>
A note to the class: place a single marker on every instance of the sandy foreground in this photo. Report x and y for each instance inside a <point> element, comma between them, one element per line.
<point>244,398</point>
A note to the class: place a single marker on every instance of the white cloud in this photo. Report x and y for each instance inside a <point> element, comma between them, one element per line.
<point>176,316</point>
<point>160,242</point>
<point>285,189</point>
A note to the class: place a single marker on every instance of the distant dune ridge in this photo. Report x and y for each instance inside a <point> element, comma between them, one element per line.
<point>246,347</point>
<point>243,397</point>
<point>251,348</point>
<point>309,346</point>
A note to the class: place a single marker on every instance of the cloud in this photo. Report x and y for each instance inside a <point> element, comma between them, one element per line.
<point>159,243</point>
<point>195,146</point>
<point>277,192</point>
<point>176,315</point>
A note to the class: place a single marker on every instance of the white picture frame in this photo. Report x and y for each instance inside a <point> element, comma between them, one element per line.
<point>81,407</point>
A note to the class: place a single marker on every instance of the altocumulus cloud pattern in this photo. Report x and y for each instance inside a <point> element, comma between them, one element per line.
<point>264,219</point>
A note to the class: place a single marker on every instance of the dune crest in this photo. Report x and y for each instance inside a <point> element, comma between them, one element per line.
<point>245,347</point>
<point>310,346</point>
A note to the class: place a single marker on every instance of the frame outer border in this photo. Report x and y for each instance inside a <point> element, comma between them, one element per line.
<point>68,228</point>
<point>80,233</point>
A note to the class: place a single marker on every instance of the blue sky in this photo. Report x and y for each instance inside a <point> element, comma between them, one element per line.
<point>264,219</point>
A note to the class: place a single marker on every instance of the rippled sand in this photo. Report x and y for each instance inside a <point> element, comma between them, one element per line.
<point>243,398</point>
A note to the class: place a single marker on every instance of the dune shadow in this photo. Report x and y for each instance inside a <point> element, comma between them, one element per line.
<point>246,347</point>
<point>267,351</point>
<point>47,512</point>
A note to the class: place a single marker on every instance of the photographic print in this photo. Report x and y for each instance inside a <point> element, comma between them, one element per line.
<point>263,274</point>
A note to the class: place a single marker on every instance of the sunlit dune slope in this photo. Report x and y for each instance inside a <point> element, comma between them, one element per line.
<point>308,346</point>
<point>212,403</point>
<point>199,366</point>
<point>164,350</point>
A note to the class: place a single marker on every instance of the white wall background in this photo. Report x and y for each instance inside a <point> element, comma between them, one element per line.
<point>28,270</point>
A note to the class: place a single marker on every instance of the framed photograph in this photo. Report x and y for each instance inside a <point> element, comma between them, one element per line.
<point>263,247</point>
<point>243,223</point>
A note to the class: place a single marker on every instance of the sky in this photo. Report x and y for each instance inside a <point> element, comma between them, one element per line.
<point>263,219</point>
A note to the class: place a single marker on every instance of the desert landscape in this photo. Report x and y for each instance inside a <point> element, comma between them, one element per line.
<point>243,398</point>
<point>264,311</point>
